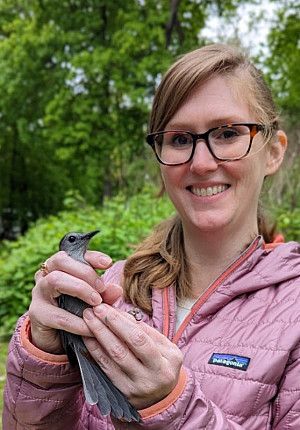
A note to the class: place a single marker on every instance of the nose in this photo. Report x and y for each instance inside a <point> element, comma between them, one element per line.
<point>203,161</point>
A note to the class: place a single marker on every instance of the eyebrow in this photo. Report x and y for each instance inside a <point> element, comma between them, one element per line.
<point>216,122</point>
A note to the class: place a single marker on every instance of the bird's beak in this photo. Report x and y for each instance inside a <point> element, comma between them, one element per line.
<point>91,234</point>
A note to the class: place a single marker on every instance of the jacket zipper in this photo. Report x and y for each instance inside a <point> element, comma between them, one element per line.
<point>255,244</point>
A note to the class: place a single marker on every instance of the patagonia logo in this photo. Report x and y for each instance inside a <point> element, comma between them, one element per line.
<point>230,360</point>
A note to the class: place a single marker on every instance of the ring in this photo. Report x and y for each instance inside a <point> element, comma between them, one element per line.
<point>43,267</point>
<point>137,313</point>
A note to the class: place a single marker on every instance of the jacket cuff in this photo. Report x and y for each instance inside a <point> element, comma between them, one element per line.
<point>46,357</point>
<point>164,404</point>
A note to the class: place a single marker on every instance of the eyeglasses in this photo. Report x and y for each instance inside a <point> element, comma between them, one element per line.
<point>225,143</point>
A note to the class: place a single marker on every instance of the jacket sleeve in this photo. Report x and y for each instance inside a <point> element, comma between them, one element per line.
<point>42,390</point>
<point>286,407</point>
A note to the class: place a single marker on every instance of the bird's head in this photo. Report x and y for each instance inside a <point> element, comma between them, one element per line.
<point>75,244</point>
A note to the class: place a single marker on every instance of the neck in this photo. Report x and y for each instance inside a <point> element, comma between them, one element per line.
<point>208,255</point>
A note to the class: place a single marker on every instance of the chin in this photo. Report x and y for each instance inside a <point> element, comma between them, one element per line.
<point>210,226</point>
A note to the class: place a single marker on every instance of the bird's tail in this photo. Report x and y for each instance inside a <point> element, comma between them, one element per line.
<point>100,391</point>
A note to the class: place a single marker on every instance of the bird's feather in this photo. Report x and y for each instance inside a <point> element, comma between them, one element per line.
<point>98,388</point>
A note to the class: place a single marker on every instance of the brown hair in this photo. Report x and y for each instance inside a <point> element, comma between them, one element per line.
<point>160,260</point>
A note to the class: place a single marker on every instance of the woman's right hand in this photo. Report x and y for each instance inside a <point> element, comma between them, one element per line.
<point>67,276</point>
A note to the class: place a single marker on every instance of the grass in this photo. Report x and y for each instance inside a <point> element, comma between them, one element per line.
<point>3,355</point>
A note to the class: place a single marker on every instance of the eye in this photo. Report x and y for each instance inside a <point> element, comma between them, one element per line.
<point>229,133</point>
<point>179,140</point>
<point>71,239</point>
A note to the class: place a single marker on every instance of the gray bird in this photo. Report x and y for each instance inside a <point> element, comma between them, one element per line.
<point>98,388</point>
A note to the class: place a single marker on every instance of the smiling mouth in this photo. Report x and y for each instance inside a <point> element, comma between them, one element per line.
<point>209,191</point>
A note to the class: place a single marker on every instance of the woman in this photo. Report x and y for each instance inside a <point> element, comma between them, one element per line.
<point>218,347</point>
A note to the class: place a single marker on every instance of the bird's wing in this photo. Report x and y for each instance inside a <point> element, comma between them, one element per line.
<point>98,389</point>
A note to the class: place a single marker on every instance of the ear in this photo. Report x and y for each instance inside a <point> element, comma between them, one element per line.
<point>276,150</point>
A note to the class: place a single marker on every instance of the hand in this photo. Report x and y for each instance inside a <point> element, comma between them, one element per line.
<point>138,359</point>
<point>66,276</point>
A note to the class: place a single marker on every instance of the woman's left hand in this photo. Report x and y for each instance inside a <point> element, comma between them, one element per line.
<point>139,360</point>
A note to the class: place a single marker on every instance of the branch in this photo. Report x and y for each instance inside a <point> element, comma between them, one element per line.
<point>173,22</point>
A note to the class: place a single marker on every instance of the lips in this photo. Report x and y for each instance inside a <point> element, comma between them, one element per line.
<point>208,191</point>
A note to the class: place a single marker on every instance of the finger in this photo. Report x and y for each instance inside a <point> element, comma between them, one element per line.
<point>52,317</point>
<point>56,283</point>
<point>98,260</point>
<point>130,331</point>
<point>136,356</point>
<point>111,293</point>
<point>154,333</point>
<point>117,376</point>
<point>115,348</point>
<point>38,275</point>
<point>161,346</point>
<point>61,261</point>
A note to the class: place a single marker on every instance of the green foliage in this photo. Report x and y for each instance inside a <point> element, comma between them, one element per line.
<point>283,61</point>
<point>123,224</point>
<point>282,67</point>
<point>289,223</point>
<point>76,81</point>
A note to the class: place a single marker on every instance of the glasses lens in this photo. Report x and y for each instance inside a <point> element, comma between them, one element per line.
<point>173,147</point>
<point>230,141</point>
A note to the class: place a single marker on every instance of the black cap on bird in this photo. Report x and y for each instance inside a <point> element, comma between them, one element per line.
<point>98,388</point>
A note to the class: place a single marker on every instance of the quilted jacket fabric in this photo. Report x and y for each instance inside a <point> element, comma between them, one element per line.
<point>241,357</point>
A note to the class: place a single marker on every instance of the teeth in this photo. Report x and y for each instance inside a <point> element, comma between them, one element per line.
<point>209,191</point>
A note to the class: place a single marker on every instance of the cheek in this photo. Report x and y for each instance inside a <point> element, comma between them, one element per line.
<point>171,176</point>
<point>248,175</point>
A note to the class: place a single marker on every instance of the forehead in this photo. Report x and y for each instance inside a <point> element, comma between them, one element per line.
<point>215,102</point>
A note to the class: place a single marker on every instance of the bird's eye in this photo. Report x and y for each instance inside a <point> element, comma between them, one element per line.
<point>72,239</point>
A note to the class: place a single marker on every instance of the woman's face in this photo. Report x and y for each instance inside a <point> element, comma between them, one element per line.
<point>209,195</point>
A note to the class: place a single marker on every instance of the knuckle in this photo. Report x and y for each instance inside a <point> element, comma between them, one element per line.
<point>58,259</point>
<point>113,315</point>
<point>175,353</point>
<point>63,321</point>
<point>99,329</point>
<point>93,347</point>
<point>54,278</point>
<point>85,270</point>
<point>37,275</point>
<point>103,361</point>
<point>169,377</point>
<point>118,352</point>
<point>32,310</point>
<point>138,337</point>
<point>177,360</point>
<point>169,373</point>
<point>34,290</point>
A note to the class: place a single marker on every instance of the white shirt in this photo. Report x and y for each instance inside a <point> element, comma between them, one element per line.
<point>183,309</point>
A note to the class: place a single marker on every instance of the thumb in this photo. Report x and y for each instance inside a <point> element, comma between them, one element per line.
<point>111,293</point>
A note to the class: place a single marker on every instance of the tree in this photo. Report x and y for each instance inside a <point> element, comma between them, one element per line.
<point>77,79</point>
<point>283,61</point>
<point>283,65</point>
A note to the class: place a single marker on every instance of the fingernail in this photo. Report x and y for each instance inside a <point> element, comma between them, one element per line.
<point>100,308</point>
<point>88,314</point>
<point>96,298</point>
<point>105,260</point>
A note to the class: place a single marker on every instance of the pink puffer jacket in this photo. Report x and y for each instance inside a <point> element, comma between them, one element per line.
<point>241,357</point>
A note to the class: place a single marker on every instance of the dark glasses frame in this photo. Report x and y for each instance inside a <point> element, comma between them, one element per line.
<point>254,129</point>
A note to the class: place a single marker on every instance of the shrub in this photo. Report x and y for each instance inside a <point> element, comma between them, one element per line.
<point>289,223</point>
<point>123,223</point>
